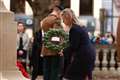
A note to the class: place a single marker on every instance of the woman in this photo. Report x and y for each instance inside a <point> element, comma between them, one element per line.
<point>83,52</point>
<point>22,44</point>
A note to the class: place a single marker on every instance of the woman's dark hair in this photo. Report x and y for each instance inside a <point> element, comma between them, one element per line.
<point>20,23</point>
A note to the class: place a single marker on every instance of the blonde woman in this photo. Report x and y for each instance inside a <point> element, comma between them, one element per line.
<point>83,52</point>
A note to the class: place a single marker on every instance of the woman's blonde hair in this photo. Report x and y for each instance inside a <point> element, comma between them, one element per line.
<point>70,12</point>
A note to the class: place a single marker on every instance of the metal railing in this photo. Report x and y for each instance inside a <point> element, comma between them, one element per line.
<point>106,64</point>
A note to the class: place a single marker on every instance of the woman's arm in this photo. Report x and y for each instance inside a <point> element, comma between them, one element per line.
<point>25,47</point>
<point>74,38</point>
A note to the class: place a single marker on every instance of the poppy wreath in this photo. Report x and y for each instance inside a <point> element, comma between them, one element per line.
<point>55,39</point>
<point>23,71</point>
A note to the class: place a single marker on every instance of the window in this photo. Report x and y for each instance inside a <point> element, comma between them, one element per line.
<point>65,3</point>
<point>86,7</point>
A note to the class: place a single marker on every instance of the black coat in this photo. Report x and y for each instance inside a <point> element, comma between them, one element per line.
<point>82,53</point>
<point>36,60</point>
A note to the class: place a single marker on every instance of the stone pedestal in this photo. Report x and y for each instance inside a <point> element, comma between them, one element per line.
<point>8,34</point>
<point>118,40</point>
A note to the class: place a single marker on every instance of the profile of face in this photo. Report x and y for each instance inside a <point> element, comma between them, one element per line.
<point>67,20</point>
<point>20,28</point>
<point>58,11</point>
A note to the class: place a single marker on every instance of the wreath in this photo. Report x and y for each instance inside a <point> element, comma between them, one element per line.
<point>55,39</point>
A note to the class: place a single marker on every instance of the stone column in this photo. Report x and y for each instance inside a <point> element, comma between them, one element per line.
<point>117,12</point>
<point>8,33</point>
<point>118,40</point>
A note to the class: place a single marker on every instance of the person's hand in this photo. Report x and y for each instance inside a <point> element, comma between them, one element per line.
<point>31,68</point>
<point>61,53</point>
<point>21,52</point>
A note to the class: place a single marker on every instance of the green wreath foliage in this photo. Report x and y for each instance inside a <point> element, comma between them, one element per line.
<point>55,46</point>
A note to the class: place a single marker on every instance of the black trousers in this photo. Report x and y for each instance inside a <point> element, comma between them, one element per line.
<point>35,72</point>
<point>22,57</point>
<point>52,67</point>
<point>37,68</point>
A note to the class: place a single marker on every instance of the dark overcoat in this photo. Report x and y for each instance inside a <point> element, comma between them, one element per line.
<point>83,53</point>
<point>36,60</point>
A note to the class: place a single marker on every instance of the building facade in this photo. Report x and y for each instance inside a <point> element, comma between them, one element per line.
<point>89,13</point>
<point>89,10</point>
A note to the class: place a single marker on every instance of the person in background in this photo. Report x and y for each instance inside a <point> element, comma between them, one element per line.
<point>110,38</point>
<point>22,44</point>
<point>82,52</point>
<point>51,59</point>
<point>36,61</point>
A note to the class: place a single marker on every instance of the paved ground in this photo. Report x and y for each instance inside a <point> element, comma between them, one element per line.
<point>107,77</point>
<point>100,75</point>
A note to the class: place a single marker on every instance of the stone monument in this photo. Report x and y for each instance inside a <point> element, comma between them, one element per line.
<point>117,13</point>
<point>8,34</point>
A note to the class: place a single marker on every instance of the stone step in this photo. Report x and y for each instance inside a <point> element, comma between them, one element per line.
<point>12,75</point>
<point>106,75</point>
<point>39,78</point>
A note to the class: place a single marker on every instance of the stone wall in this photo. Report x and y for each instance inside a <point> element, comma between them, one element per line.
<point>8,34</point>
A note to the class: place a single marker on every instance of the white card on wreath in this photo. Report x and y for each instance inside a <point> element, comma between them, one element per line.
<point>55,39</point>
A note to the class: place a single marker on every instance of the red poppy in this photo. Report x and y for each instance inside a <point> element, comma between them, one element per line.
<point>23,71</point>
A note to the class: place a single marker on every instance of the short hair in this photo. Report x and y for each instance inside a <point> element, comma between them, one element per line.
<point>58,7</point>
<point>20,23</point>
